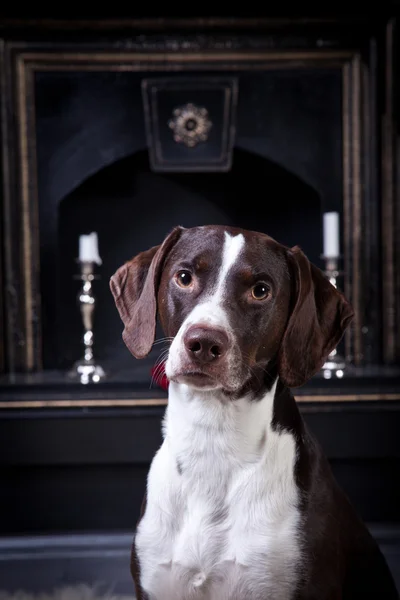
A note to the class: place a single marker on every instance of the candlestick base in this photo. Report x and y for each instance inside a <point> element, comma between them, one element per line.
<point>87,371</point>
<point>334,366</point>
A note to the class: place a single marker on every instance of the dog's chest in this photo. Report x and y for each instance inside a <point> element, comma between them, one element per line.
<point>216,527</point>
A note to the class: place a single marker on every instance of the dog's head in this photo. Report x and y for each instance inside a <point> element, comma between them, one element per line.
<point>235,303</point>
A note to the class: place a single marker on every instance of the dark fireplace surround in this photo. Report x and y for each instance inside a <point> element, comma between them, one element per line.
<point>303,122</point>
<point>91,153</point>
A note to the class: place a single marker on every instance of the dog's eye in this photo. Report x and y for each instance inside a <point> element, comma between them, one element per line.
<point>260,291</point>
<point>184,278</point>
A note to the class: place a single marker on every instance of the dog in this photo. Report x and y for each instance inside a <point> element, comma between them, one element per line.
<point>241,503</point>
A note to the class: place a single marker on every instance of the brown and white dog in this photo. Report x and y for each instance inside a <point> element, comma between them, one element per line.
<point>241,503</point>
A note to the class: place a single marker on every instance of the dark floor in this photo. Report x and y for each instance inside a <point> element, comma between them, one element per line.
<point>38,564</point>
<point>43,563</point>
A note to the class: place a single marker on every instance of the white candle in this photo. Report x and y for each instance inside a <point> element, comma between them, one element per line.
<point>89,248</point>
<point>331,235</point>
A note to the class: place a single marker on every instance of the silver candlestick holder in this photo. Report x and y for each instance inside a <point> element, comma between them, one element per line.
<point>335,364</point>
<point>87,370</point>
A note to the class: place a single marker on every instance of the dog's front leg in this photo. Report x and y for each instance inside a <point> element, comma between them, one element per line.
<point>135,572</point>
<point>135,566</point>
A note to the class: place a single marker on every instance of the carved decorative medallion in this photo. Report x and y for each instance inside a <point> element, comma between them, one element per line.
<point>190,125</point>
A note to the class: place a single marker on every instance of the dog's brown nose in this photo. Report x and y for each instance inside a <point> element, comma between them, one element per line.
<point>204,344</point>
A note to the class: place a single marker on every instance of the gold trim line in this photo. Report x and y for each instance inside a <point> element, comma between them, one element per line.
<point>184,57</point>
<point>27,240</point>
<point>129,402</point>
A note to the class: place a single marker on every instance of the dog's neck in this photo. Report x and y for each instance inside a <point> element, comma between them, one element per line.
<point>198,423</point>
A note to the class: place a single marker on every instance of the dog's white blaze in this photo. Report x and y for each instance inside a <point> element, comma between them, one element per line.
<point>211,310</point>
<point>233,245</point>
<point>225,525</point>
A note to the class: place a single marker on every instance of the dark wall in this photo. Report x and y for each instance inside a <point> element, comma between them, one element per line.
<point>86,470</point>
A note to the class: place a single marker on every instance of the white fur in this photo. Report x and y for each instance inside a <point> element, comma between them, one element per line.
<point>249,549</point>
<point>210,311</point>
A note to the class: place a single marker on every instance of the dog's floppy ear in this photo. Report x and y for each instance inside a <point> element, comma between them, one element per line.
<point>134,287</point>
<point>319,318</point>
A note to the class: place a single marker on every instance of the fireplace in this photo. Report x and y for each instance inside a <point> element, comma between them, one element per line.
<point>281,128</point>
<point>287,119</point>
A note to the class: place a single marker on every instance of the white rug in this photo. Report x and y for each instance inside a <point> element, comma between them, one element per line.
<point>80,592</point>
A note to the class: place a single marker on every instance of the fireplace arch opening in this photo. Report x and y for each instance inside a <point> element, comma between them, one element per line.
<point>133,208</point>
